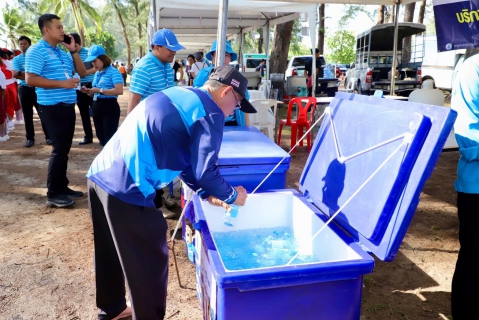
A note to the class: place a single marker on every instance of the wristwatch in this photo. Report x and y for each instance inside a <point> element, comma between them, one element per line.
<point>101,90</point>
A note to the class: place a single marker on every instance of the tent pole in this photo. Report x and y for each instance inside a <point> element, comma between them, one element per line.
<point>221,35</point>
<point>241,50</point>
<point>395,50</point>
<point>266,46</point>
<point>312,36</point>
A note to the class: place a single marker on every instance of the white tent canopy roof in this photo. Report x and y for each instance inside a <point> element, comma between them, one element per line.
<point>196,23</point>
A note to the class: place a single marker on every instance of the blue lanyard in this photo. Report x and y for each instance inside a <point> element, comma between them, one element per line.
<point>58,54</point>
<point>101,74</point>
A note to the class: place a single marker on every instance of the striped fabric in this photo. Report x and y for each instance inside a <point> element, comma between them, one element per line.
<point>150,75</point>
<point>107,80</point>
<point>19,65</point>
<point>54,64</point>
<point>83,53</point>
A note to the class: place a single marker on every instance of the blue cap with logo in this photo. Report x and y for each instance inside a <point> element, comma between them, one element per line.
<point>166,38</point>
<point>94,52</point>
<point>228,49</point>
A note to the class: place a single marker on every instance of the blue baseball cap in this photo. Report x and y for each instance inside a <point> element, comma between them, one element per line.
<point>94,52</point>
<point>228,49</point>
<point>166,38</point>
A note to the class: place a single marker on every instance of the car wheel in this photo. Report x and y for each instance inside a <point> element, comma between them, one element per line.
<point>361,91</point>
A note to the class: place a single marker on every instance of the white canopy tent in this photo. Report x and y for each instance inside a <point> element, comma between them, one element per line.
<point>197,24</point>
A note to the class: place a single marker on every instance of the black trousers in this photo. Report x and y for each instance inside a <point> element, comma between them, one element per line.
<point>106,117</point>
<point>84,102</point>
<point>130,241</point>
<point>124,78</point>
<point>465,282</point>
<point>59,120</point>
<point>28,100</point>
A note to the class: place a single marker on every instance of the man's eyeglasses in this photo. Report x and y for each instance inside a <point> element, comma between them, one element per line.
<point>238,102</point>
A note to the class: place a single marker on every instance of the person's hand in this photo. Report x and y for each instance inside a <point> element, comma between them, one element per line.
<point>241,198</point>
<point>219,203</point>
<point>94,90</point>
<point>71,47</point>
<point>70,83</point>
<point>84,89</point>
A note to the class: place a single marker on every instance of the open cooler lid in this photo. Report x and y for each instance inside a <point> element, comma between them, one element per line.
<point>366,158</point>
<point>248,145</point>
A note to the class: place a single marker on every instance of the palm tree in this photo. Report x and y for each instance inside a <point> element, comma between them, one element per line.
<point>14,26</point>
<point>119,9</point>
<point>79,8</point>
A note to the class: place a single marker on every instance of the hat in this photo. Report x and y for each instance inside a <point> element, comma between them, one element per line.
<point>231,77</point>
<point>166,38</point>
<point>198,55</point>
<point>94,52</point>
<point>228,49</point>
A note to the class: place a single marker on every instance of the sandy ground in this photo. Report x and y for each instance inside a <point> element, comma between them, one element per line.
<point>46,254</point>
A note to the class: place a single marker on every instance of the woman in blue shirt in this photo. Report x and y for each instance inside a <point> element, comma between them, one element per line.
<point>107,85</point>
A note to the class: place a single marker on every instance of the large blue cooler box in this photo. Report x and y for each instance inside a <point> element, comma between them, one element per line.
<point>367,168</point>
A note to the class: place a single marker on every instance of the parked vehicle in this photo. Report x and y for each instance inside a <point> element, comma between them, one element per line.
<point>442,67</point>
<point>374,58</point>
<point>328,83</point>
<point>252,60</point>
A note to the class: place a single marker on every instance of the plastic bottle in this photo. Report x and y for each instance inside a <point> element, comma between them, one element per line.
<point>77,76</point>
<point>230,217</point>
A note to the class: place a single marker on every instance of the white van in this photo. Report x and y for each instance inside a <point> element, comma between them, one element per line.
<point>441,66</point>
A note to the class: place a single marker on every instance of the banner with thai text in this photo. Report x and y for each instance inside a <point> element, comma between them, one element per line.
<point>457,24</point>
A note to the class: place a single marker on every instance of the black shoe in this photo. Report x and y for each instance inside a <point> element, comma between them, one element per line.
<point>85,141</point>
<point>29,143</point>
<point>49,142</point>
<point>72,194</point>
<point>60,201</point>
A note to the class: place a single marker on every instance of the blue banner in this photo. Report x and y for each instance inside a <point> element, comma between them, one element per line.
<point>457,24</point>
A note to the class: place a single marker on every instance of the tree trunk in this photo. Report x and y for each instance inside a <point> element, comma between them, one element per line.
<point>422,9</point>
<point>80,30</point>
<point>321,28</point>
<point>137,11</point>
<point>280,48</point>
<point>128,49</point>
<point>380,17</point>
<point>391,15</point>
<point>260,40</point>
<point>406,43</point>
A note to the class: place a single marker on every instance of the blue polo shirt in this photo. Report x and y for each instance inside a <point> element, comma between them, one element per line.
<point>107,80</point>
<point>154,145</point>
<point>54,64</point>
<point>150,75</point>
<point>83,53</point>
<point>19,65</point>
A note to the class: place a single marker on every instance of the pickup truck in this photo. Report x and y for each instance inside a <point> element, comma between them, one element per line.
<point>374,58</point>
<point>328,83</point>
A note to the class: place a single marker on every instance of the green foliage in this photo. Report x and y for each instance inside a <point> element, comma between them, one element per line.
<point>104,39</point>
<point>352,11</point>
<point>341,47</point>
<point>14,26</point>
<point>296,47</point>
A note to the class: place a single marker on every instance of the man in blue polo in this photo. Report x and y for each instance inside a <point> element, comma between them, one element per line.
<point>84,101</point>
<point>26,94</point>
<point>174,132</point>
<point>51,71</point>
<point>153,72</point>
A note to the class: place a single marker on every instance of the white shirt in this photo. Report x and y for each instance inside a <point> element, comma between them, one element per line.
<point>9,65</point>
<point>197,66</point>
<point>3,80</point>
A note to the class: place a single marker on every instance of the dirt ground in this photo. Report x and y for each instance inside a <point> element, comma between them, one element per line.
<point>46,254</point>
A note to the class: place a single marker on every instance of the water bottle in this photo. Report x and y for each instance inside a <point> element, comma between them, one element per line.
<point>230,217</point>
<point>77,76</point>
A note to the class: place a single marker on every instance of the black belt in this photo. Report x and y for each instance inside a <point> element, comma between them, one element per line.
<point>61,104</point>
<point>24,85</point>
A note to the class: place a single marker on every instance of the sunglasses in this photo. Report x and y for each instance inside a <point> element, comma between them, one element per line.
<point>238,102</point>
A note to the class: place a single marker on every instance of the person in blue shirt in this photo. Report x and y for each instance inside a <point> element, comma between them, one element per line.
<point>84,101</point>
<point>465,100</point>
<point>153,72</point>
<point>26,94</point>
<point>237,118</point>
<point>177,131</point>
<point>107,85</point>
<point>52,72</point>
